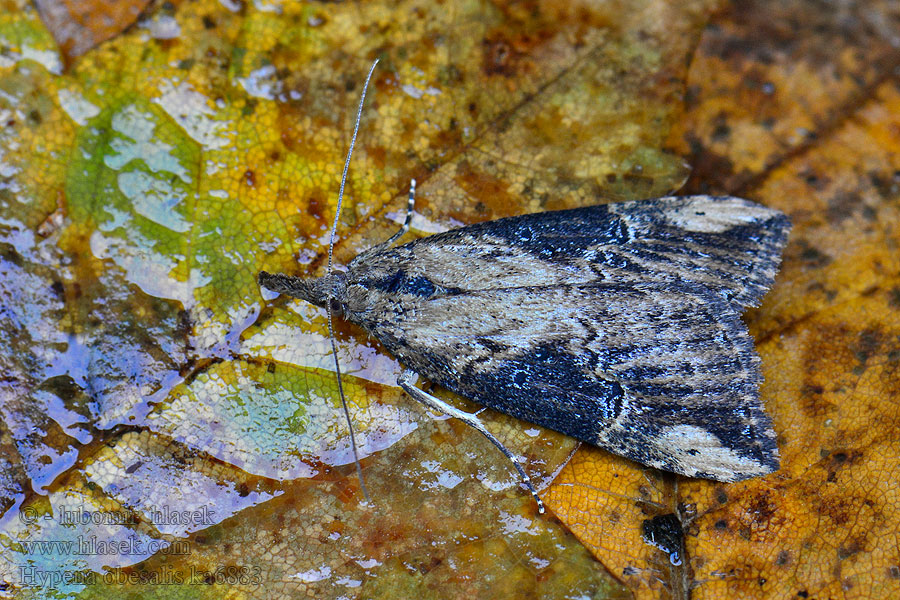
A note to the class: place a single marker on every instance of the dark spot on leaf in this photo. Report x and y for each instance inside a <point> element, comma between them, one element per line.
<point>315,206</point>
<point>709,168</point>
<point>762,508</point>
<point>842,205</point>
<point>812,389</point>
<point>498,58</point>
<point>721,132</point>
<point>840,460</point>
<point>664,532</point>
<point>852,547</point>
<point>887,186</point>
<point>868,343</point>
<point>58,290</point>
<point>63,387</point>
<point>813,257</point>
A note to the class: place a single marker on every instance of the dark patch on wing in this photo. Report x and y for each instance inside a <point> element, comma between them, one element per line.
<point>390,284</point>
<point>398,283</point>
<point>419,286</point>
<point>491,344</point>
<point>562,235</point>
<point>545,386</point>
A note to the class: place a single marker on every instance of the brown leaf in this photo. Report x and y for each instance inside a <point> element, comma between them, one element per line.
<point>79,26</point>
<point>795,107</point>
<point>146,187</point>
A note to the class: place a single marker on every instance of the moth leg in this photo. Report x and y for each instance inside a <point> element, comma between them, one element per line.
<point>409,212</point>
<point>405,382</point>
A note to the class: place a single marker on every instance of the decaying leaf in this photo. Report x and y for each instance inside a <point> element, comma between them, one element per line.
<point>152,397</point>
<point>797,109</point>
<point>151,387</point>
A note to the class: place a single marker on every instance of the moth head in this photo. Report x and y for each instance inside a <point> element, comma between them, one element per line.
<point>328,291</point>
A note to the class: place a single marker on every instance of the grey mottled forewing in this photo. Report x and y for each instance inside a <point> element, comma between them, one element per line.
<point>728,245</point>
<point>618,324</point>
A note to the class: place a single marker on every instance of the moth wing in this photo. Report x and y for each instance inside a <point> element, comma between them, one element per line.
<point>728,245</point>
<point>664,374</point>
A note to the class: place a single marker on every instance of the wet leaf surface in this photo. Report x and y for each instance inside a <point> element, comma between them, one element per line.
<point>167,431</point>
<point>172,432</point>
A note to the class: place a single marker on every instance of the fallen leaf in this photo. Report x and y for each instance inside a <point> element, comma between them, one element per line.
<point>797,108</point>
<point>153,398</point>
<point>80,26</point>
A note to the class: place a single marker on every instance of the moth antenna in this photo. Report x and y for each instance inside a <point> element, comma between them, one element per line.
<point>337,213</point>
<point>411,204</point>
<point>337,216</point>
<point>337,371</point>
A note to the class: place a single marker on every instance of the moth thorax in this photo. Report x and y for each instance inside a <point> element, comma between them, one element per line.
<point>327,291</point>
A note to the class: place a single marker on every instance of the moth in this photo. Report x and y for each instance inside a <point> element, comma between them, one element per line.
<point>617,324</point>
